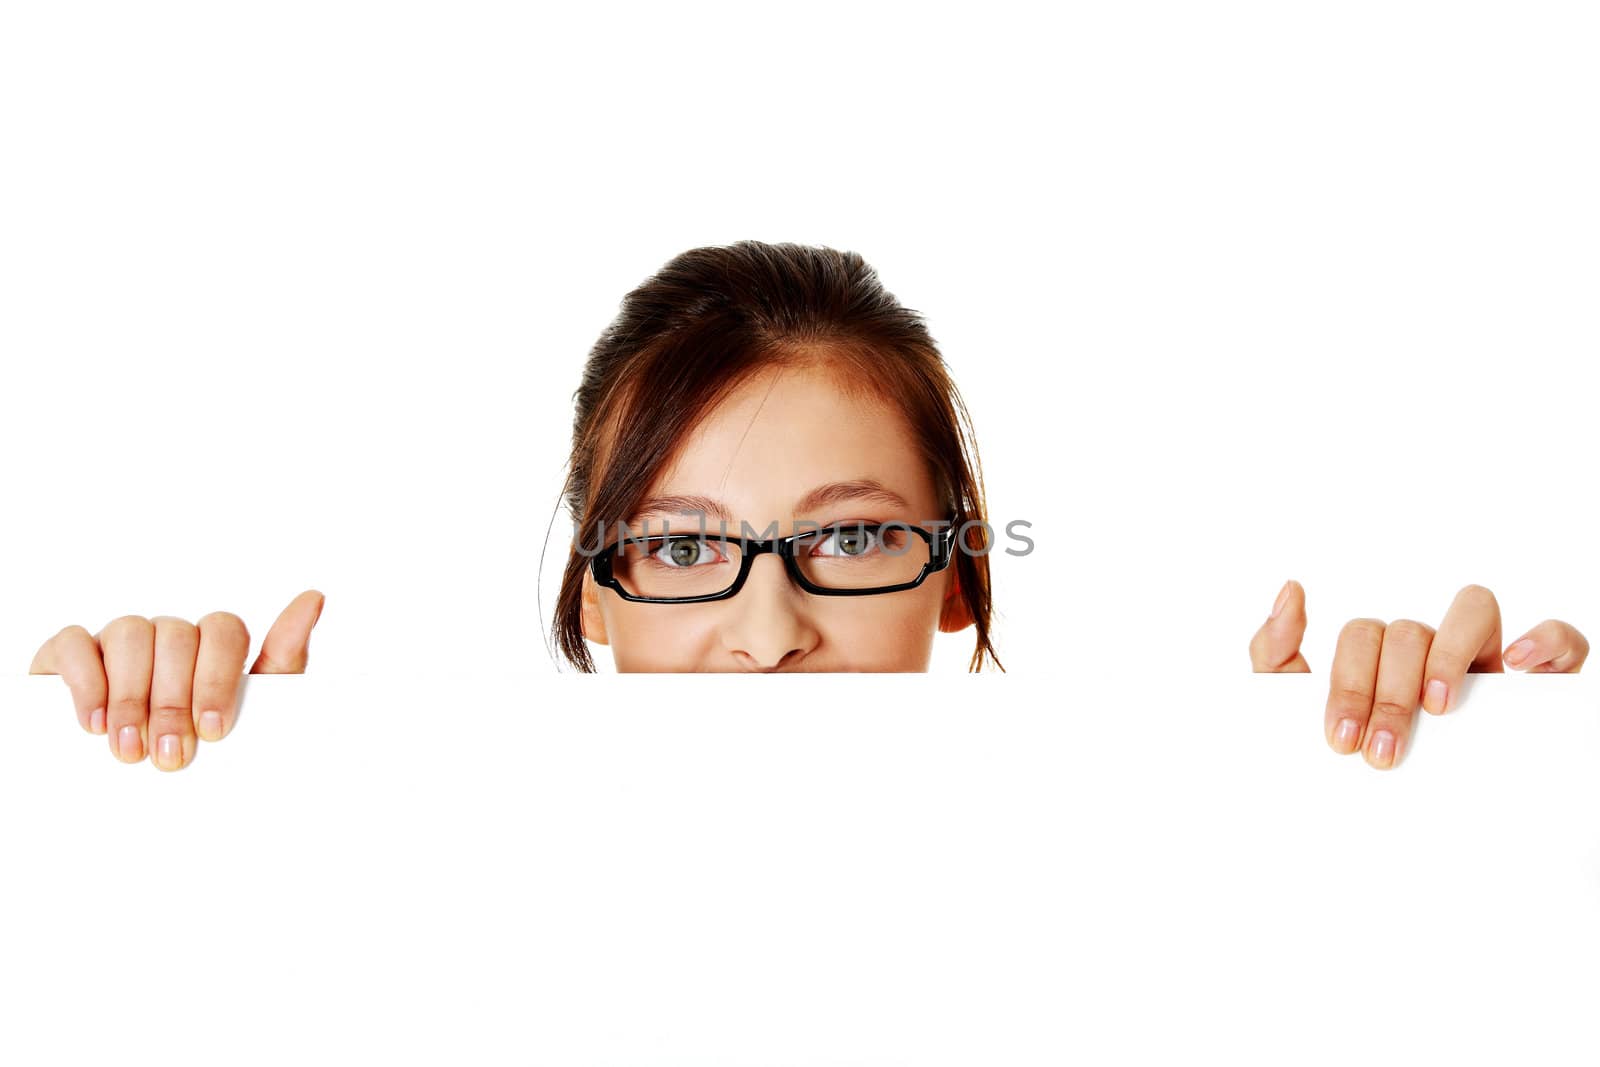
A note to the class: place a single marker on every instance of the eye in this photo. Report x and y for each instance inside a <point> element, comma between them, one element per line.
<point>680,553</point>
<point>847,542</point>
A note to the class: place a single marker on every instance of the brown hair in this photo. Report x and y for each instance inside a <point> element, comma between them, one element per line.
<point>709,319</point>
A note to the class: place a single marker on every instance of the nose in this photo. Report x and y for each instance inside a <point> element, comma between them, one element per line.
<point>769,627</point>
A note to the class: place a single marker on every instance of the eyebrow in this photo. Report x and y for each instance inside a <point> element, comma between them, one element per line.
<point>825,495</point>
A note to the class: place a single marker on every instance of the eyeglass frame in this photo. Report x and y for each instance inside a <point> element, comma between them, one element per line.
<point>939,557</point>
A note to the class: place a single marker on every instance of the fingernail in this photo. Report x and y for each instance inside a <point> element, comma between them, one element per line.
<point>1383,748</point>
<point>1346,734</point>
<point>211,725</point>
<point>1519,651</point>
<point>1283,596</point>
<point>1437,697</point>
<point>129,745</point>
<point>169,752</point>
<point>97,721</point>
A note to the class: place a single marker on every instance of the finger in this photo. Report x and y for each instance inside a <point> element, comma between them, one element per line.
<point>127,646</point>
<point>1275,648</point>
<point>172,741</point>
<point>1352,684</point>
<point>224,643</point>
<point>285,648</point>
<point>1468,640</point>
<point>1398,692</point>
<point>75,656</point>
<point>1552,647</point>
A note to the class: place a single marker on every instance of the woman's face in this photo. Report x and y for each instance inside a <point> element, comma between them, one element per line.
<point>781,436</point>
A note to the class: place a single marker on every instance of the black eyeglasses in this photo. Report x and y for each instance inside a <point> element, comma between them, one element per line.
<point>845,559</point>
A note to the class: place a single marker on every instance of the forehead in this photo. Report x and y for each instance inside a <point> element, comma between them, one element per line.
<point>783,433</point>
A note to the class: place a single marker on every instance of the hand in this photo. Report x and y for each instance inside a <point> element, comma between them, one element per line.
<point>1381,672</point>
<point>168,678</point>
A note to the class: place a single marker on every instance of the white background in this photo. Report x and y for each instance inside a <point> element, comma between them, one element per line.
<point>298,295</point>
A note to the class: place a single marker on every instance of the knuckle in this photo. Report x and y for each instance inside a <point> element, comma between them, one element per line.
<point>171,625</point>
<point>209,688</point>
<point>169,713</point>
<point>1349,698</point>
<point>86,682</point>
<point>128,707</point>
<point>1447,661</point>
<point>1359,632</point>
<point>224,622</point>
<point>129,626</point>
<point>1409,631</point>
<point>292,664</point>
<point>176,637</point>
<point>1390,709</point>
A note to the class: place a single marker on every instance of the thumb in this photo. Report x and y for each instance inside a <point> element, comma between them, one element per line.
<point>1275,649</point>
<point>284,649</point>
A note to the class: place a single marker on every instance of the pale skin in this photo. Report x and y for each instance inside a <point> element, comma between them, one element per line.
<point>780,436</point>
<point>156,687</point>
<point>159,686</point>
<point>1382,672</point>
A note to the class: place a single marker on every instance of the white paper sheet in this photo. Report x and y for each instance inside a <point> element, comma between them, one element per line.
<point>829,869</point>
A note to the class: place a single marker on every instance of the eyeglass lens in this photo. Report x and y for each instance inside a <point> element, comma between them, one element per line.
<point>838,557</point>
